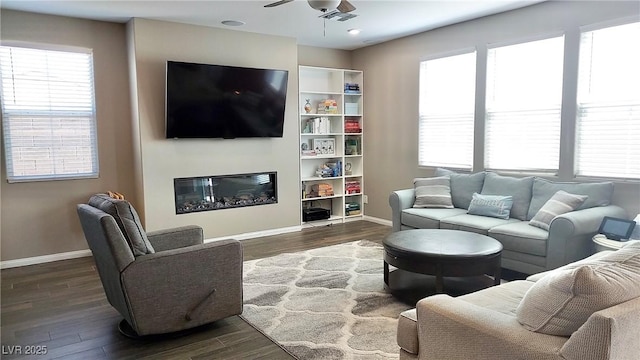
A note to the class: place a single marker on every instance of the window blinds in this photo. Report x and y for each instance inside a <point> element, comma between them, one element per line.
<point>523,102</point>
<point>608,118</point>
<point>48,114</point>
<point>446,110</point>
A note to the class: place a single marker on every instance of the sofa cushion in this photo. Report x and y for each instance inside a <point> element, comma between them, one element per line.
<point>563,300</point>
<point>497,206</point>
<point>432,192</point>
<point>128,221</point>
<point>504,298</point>
<point>473,223</point>
<point>427,218</point>
<point>518,188</point>
<point>522,238</point>
<point>463,186</point>
<point>560,203</point>
<point>599,194</point>
<point>408,331</point>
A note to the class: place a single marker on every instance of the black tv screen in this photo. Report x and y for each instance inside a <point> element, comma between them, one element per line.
<point>216,101</point>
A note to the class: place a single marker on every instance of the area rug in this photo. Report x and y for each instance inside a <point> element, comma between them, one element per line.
<point>326,303</point>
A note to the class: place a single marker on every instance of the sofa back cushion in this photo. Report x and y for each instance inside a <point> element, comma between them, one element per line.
<point>563,300</point>
<point>432,192</point>
<point>599,194</point>
<point>518,188</point>
<point>128,221</point>
<point>463,186</point>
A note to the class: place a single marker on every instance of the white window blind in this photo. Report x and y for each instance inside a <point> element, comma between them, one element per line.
<point>446,109</point>
<point>524,96</point>
<point>608,119</point>
<point>48,114</point>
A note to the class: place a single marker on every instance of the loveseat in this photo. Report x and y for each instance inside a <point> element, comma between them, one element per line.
<point>559,236</point>
<point>587,310</point>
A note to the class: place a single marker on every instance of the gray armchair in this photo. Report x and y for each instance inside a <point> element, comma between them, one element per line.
<point>164,281</point>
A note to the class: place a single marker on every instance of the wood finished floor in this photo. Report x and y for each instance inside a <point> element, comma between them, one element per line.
<point>61,305</point>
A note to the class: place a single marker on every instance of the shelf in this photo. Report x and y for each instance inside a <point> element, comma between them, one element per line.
<point>322,198</point>
<point>317,84</point>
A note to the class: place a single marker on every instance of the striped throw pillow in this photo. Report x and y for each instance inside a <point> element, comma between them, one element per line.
<point>432,192</point>
<point>561,202</point>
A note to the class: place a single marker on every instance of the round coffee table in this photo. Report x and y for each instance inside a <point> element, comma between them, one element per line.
<point>442,253</point>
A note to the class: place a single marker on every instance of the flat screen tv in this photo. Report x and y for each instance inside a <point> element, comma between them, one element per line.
<point>216,101</point>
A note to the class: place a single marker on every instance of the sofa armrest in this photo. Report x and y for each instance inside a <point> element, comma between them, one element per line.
<point>570,234</point>
<point>400,200</point>
<point>450,328</point>
<point>174,238</point>
<point>616,330</point>
<point>190,286</point>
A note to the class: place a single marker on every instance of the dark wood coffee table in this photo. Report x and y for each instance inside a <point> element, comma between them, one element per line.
<point>442,253</point>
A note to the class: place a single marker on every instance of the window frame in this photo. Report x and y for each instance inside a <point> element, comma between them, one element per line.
<point>90,115</point>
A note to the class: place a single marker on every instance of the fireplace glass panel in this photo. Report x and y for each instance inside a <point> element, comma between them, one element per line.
<point>223,192</point>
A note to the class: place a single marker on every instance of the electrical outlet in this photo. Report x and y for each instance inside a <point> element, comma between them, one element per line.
<point>365,199</point>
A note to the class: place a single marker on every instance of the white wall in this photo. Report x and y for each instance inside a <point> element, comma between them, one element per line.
<point>391,87</point>
<point>152,43</point>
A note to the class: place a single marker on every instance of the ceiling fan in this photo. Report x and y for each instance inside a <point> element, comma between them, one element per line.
<point>323,5</point>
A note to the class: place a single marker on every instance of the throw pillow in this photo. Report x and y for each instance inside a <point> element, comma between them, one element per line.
<point>432,192</point>
<point>491,205</point>
<point>519,188</point>
<point>128,221</point>
<point>599,193</point>
<point>561,202</point>
<point>563,300</point>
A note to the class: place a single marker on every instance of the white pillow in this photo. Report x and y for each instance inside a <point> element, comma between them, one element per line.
<point>560,203</point>
<point>432,192</point>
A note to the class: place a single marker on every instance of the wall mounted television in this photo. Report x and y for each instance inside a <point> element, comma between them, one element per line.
<point>217,101</point>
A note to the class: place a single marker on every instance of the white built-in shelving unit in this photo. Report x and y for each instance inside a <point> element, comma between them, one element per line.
<point>323,126</point>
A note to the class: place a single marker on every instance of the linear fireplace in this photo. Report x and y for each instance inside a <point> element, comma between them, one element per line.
<point>225,191</point>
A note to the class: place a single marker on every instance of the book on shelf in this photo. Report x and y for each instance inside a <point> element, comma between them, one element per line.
<point>352,126</point>
<point>352,187</point>
<point>317,125</point>
<point>328,106</point>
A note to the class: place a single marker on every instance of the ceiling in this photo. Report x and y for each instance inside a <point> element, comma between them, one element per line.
<point>378,20</point>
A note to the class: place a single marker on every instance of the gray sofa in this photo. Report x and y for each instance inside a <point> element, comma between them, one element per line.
<point>527,249</point>
<point>587,310</point>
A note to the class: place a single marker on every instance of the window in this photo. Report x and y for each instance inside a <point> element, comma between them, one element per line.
<point>524,96</point>
<point>447,107</point>
<point>608,118</point>
<point>48,114</point>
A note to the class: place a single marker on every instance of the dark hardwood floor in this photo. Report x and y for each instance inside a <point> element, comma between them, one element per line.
<point>61,307</point>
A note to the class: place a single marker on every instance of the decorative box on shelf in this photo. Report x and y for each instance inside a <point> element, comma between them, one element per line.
<point>351,109</point>
<point>328,106</point>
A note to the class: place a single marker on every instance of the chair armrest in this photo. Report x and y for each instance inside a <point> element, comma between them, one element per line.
<point>162,288</point>
<point>612,333</point>
<point>450,328</point>
<point>570,234</point>
<point>174,238</point>
<point>400,200</point>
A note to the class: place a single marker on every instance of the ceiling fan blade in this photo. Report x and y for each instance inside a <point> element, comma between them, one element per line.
<point>278,3</point>
<point>345,6</point>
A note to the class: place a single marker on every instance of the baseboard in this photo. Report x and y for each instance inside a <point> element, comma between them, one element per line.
<point>378,220</point>
<point>256,234</point>
<point>44,259</point>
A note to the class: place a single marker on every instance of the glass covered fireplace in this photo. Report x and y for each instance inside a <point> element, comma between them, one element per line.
<point>223,192</point>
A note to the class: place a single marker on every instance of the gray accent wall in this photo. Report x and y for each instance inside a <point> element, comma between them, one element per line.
<point>391,72</point>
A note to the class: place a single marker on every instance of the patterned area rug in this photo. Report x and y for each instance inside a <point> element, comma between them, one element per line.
<point>326,303</point>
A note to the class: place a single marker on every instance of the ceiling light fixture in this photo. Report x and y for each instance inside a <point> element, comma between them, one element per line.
<point>354,31</point>
<point>324,5</point>
<point>233,23</point>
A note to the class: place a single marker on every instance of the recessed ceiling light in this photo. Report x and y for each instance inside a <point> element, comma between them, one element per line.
<point>354,31</point>
<point>233,23</point>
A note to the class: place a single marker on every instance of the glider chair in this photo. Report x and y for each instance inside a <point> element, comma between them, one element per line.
<point>164,281</point>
